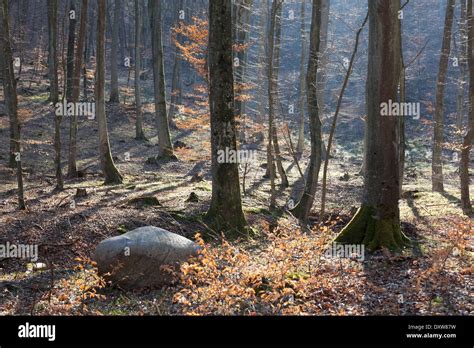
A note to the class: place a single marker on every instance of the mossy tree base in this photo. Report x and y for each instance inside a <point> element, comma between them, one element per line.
<point>111,173</point>
<point>116,180</point>
<point>232,227</point>
<point>164,157</point>
<point>300,211</point>
<point>374,233</point>
<point>168,157</point>
<point>141,137</point>
<point>166,153</point>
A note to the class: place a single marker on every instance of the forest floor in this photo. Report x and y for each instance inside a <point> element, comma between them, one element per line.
<point>282,270</point>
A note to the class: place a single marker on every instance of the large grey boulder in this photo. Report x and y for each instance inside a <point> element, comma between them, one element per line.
<point>134,259</point>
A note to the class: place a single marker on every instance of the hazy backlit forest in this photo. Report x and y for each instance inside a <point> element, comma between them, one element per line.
<point>236,157</point>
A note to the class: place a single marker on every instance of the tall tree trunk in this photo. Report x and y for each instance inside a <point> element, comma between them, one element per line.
<point>322,73</point>
<point>377,222</point>
<point>301,103</point>
<point>401,120</point>
<point>438,137</point>
<point>176,83</point>
<point>276,99</point>
<point>147,62</point>
<point>111,173</point>
<point>303,208</point>
<point>114,90</point>
<point>75,94</point>
<point>463,33</point>
<point>246,23</point>
<point>139,135</point>
<point>54,86</point>
<point>262,59</point>
<point>11,100</point>
<point>274,46</point>
<point>334,120</point>
<point>52,51</point>
<point>323,61</point>
<point>11,157</point>
<point>123,31</point>
<point>164,138</point>
<point>469,137</point>
<point>401,125</point>
<point>93,31</point>
<point>22,22</point>
<point>63,44</point>
<point>243,10</point>
<point>226,205</point>
<point>85,63</point>
<point>271,102</point>
<point>72,16</point>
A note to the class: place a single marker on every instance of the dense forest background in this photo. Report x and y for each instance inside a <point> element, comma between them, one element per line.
<point>156,89</point>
